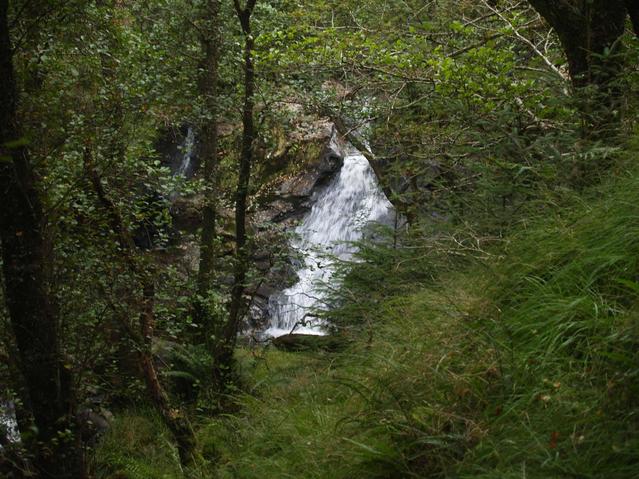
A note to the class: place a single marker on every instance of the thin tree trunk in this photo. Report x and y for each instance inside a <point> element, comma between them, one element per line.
<point>32,309</point>
<point>225,349</point>
<point>174,420</point>
<point>176,423</point>
<point>210,40</point>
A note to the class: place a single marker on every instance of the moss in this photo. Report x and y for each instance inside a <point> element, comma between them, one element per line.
<point>288,161</point>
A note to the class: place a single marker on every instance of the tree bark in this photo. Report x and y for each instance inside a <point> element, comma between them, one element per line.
<point>587,31</point>
<point>224,352</point>
<point>32,309</point>
<point>210,40</point>
<point>590,32</point>
<point>173,418</point>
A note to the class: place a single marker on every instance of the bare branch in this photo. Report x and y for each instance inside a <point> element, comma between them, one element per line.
<point>521,37</point>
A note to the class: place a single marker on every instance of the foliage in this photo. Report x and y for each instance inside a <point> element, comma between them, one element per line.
<point>148,445</point>
<point>491,335</point>
<point>525,361</point>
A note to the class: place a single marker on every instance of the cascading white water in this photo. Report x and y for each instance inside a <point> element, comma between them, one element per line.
<point>351,201</point>
<point>182,163</point>
<point>8,423</point>
<point>187,148</point>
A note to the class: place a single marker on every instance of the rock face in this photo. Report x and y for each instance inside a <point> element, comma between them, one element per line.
<point>317,172</point>
<point>302,163</point>
<point>289,171</point>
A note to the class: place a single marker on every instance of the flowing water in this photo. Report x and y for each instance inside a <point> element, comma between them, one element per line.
<point>184,164</point>
<point>8,423</point>
<point>351,201</point>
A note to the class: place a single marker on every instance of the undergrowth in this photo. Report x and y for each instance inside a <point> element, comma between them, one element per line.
<point>137,445</point>
<point>565,316</point>
<point>513,360</point>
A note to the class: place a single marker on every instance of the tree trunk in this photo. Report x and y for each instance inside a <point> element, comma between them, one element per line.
<point>587,31</point>
<point>32,309</point>
<point>590,33</point>
<point>224,353</point>
<point>178,425</point>
<point>210,39</point>
<point>173,419</point>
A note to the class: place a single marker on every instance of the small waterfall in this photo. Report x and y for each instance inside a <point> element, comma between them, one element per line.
<point>8,423</point>
<point>352,200</point>
<point>183,163</point>
<point>185,166</point>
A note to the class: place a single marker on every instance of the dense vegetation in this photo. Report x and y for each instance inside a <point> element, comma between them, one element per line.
<point>493,333</point>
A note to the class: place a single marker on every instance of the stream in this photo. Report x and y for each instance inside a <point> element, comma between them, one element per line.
<point>183,163</point>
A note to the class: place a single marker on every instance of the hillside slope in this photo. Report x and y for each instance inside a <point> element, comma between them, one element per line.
<point>519,361</point>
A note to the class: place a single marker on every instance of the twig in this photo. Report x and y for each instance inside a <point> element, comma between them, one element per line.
<point>521,37</point>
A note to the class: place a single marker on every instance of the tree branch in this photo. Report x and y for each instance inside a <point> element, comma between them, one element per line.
<point>521,37</point>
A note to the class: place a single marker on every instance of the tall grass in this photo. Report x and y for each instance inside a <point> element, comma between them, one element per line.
<point>393,407</point>
<point>565,315</point>
<point>512,360</point>
<point>523,365</point>
<point>137,446</point>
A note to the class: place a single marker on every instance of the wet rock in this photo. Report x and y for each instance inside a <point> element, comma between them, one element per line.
<point>316,174</point>
<point>92,425</point>
<point>186,212</point>
<point>304,160</point>
<point>258,314</point>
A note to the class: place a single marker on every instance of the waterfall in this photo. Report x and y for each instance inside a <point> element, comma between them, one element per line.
<point>8,423</point>
<point>185,166</point>
<point>351,201</point>
<point>182,163</point>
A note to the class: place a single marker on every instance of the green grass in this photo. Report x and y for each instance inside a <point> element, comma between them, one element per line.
<point>566,294</point>
<point>137,446</point>
<point>521,363</point>
<point>393,406</point>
